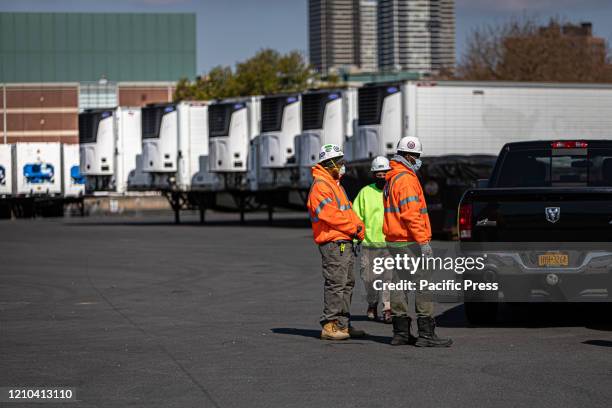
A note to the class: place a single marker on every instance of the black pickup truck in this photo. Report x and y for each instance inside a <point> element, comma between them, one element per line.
<point>544,221</point>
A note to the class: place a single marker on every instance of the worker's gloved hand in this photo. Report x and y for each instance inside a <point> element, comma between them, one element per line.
<point>360,233</point>
<point>426,250</point>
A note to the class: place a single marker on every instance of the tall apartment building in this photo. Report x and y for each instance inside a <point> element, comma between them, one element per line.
<point>366,44</point>
<point>342,34</point>
<point>416,35</point>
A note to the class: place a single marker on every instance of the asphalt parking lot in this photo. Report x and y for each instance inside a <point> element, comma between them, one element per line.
<point>139,312</point>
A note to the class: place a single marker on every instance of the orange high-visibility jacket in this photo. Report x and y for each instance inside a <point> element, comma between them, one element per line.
<point>331,212</point>
<point>406,218</point>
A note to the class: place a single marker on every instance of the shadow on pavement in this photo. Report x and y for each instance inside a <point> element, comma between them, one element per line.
<point>600,343</point>
<point>593,316</point>
<point>316,333</point>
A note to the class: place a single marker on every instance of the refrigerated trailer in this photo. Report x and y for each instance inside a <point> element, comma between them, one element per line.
<point>176,153</point>
<point>272,157</point>
<point>328,116</point>
<point>470,118</point>
<point>175,146</point>
<point>233,124</point>
<point>463,126</point>
<point>110,148</point>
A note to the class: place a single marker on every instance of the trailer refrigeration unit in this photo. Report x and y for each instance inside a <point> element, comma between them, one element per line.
<point>328,116</point>
<point>37,179</point>
<point>73,182</point>
<point>463,126</point>
<point>160,144</point>
<point>272,154</point>
<point>37,169</point>
<point>110,146</point>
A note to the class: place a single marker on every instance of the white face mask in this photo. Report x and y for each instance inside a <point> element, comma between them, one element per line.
<point>417,164</point>
<point>342,170</point>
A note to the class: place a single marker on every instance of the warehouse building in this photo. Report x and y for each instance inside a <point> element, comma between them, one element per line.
<point>52,65</point>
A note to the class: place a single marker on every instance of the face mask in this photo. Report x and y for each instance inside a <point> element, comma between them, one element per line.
<point>380,183</point>
<point>342,171</point>
<point>417,164</point>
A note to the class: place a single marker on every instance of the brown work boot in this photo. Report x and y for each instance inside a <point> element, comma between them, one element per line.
<point>331,331</point>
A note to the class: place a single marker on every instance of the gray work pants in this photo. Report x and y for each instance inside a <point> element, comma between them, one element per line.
<point>423,299</point>
<point>339,282</point>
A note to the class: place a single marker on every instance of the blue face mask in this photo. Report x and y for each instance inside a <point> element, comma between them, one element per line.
<point>417,164</point>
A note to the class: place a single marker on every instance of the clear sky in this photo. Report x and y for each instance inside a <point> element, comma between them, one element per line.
<point>232,30</point>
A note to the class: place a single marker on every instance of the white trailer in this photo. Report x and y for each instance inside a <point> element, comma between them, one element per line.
<point>110,145</point>
<point>175,145</point>
<point>160,142</point>
<point>193,148</point>
<point>233,124</point>
<point>272,160</point>
<point>97,143</point>
<point>72,180</point>
<point>470,118</point>
<point>37,169</point>
<point>6,170</point>
<point>328,116</point>
<point>129,171</point>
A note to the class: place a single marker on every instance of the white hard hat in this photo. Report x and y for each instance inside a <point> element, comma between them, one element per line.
<point>410,144</point>
<point>380,163</point>
<point>330,151</point>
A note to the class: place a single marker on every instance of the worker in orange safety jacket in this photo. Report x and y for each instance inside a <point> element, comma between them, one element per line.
<point>408,231</point>
<point>335,226</point>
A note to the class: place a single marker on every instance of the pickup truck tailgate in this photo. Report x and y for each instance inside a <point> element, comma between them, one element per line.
<point>542,215</point>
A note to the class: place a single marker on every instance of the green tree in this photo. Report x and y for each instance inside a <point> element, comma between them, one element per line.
<point>267,72</point>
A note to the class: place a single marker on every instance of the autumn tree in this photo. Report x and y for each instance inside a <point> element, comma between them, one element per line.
<point>267,72</point>
<point>523,50</point>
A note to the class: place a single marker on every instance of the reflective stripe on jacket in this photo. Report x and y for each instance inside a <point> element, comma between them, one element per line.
<point>331,212</point>
<point>406,218</point>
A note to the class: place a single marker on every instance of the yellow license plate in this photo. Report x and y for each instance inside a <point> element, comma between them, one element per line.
<point>553,260</point>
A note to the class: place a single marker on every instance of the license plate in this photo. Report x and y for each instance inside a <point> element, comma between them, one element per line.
<point>553,260</point>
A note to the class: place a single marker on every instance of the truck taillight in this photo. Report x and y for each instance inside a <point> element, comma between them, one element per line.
<point>465,221</point>
<point>569,145</point>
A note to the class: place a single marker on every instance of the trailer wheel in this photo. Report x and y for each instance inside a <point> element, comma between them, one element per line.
<point>480,313</point>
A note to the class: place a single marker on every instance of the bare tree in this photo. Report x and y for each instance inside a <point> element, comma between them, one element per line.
<point>522,50</point>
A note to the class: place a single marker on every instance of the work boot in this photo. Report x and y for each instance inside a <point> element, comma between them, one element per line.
<point>331,331</point>
<point>372,310</point>
<point>427,334</point>
<point>386,316</point>
<point>353,332</point>
<point>401,331</point>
